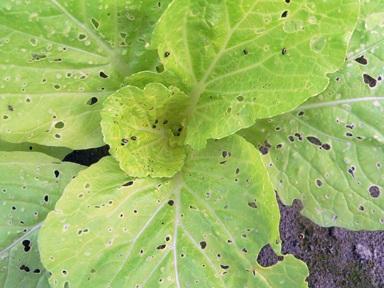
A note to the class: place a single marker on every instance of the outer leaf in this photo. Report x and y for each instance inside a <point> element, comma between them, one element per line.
<point>251,59</point>
<point>204,226</point>
<point>329,151</point>
<point>57,152</point>
<point>61,59</point>
<point>144,129</point>
<point>31,183</point>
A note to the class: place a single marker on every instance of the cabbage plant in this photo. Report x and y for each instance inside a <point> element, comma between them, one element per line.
<point>208,108</point>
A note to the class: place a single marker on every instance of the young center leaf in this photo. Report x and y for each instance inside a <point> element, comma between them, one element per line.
<point>61,59</point>
<point>244,60</point>
<point>204,226</point>
<point>37,183</point>
<point>144,129</point>
<point>329,151</point>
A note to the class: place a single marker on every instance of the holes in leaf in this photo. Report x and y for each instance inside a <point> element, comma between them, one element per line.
<point>95,23</point>
<point>301,113</point>
<point>33,41</point>
<point>224,266</point>
<point>25,268</point>
<point>46,198</point>
<point>82,37</point>
<point>361,208</point>
<point>103,75</point>
<point>161,247</point>
<point>287,1</point>
<point>27,245</point>
<point>291,139</point>
<point>240,98</point>
<point>252,205</point>
<point>92,101</point>
<point>57,86</point>
<point>57,173</point>
<point>319,182</point>
<point>374,191</point>
<point>314,140</point>
<point>36,271</point>
<point>362,60</point>
<point>59,125</point>
<point>278,146</point>
<point>92,271</point>
<point>130,183</point>
<point>369,80</point>
<point>203,244</point>
<point>264,150</point>
<point>326,146</point>
<point>284,14</point>
<point>171,202</point>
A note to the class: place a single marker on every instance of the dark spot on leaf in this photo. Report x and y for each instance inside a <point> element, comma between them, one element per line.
<point>374,191</point>
<point>285,13</point>
<point>266,143</point>
<point>223,162</point>
<point>103,75</point>
<point>161,247</point>
<point>245,52</point>
<point>264,150</point>
<point>278,146</point>
<point>10,108</point>
<point>379,78</point>
<point>291,138</point>
<point>203,244</point>
<point>36,271</point>
<point>299,137</point>
<point>252,204</point>
<point>167,54</point>
<point>284,51</point>
<point>26,243</point>
<point>224,154</point>
<point>244,250</point>
<point>171,202</point>
<point>237,171</point>
<point>301,113</point>
<point>165,122</point>
<point>369,80</point>
<point>351,170</point>
<point>326,146</point>
<point>349,134</point>
<point>319,182</point>
<point>134,138</point>
<point>314,140</point>
<point>362,60</point>
<point>350,126</point>
<point>224,266</point>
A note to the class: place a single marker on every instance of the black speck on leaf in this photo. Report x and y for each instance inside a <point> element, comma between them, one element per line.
<point>245,52</point>
<point>284,51</point>
<point>134,138</point>
<point>167,54</point>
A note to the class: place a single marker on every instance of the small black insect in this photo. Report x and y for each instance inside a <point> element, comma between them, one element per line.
<point>167,54</point>
<point>125,140</point>
<point>133,137</point>
<point>284,51</point>
<point>165,122</point>
<point>245,52</point>
<point>10,108</point>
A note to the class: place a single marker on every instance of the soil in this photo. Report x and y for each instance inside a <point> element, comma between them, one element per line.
<point>336,257</point>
